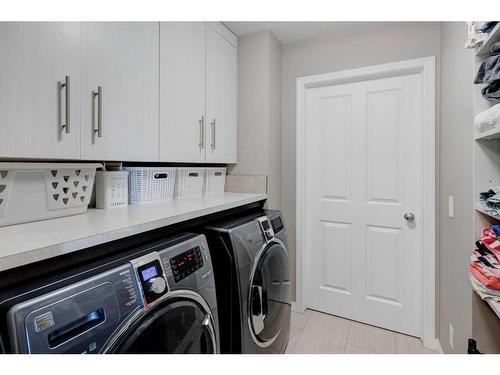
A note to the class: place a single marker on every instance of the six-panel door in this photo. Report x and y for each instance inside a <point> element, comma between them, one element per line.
<point>35,59</point>
<point>121,58</point>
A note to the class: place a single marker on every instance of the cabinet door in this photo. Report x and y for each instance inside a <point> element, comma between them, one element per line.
<point>182,91</point>
<point>122,122</point>
<point>35,58</point>
<point>221,100</point>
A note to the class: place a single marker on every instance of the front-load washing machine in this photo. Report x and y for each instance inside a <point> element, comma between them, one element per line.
<point>252,275</point>
<point>160,298</point>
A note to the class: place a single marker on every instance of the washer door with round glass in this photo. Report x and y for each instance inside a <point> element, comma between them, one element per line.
<point>175,326</point>
<point>269,299</point>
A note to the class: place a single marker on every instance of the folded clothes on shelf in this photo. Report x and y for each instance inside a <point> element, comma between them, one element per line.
<point>491,91</point>
<point>489,70</point>
<point>490,200</point>
<point>491,241</point>
<point>484,292</point>
<point>495,48</point>
<point>486,27</point>
<point>488,119</point>
<point>475,37</point>
<point>484,268</point>
<point>490,282</point>
<point>489,74</point>
<point>486,260</point>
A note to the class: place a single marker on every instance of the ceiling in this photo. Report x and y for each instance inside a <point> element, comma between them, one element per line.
<point>290,32</point>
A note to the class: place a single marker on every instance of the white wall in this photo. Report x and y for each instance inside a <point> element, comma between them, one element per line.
<point>456,240</point>
<point>259,113</point>
<point>369,44</point>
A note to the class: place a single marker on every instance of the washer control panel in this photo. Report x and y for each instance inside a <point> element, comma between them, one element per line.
<point>186,263</point>
<point>151,276</point>
<point>266,228</point>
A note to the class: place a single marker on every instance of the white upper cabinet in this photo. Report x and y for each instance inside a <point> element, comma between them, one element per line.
<point>39,113</point>
<point>125,91</point>
<point>221,98</point>
<point>119,62</point>
<point>182,91</point>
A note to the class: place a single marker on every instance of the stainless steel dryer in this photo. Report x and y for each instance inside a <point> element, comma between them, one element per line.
<point>157,299</point>
<point>252,276</point>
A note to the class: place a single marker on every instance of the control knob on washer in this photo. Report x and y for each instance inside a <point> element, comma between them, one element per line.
<point>156,285</point>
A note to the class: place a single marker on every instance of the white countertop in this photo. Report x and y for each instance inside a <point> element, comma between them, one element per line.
<point>31,242</point>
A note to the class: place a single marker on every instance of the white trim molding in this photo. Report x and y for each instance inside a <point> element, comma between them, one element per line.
<point>426,68</point>
<point>439,348</point>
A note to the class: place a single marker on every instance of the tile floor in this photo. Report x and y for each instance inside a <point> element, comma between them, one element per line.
<point>315,332</point>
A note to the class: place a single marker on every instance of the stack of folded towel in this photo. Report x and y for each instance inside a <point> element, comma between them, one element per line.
<point>478,32</point>
<point>488,119</point>
<point>490,200</point>
<point>484,269</point>
<point>489,74</point>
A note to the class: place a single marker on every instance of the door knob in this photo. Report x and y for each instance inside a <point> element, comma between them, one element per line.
<point>409,216</point>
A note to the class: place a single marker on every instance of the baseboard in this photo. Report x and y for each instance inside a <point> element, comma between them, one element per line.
<point>432,344</point>
<point>439,347</point>
<point>296,308</point>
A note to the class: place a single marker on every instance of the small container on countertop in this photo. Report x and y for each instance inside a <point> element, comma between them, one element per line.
<point>111,189</point>
<point>39,191</point>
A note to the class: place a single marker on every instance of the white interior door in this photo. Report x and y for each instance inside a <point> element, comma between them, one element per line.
<point>182,91</point>
<point>364,168</point>
<point>121,58</point>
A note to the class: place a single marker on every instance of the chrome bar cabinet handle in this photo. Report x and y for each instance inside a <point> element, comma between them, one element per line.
<point>98,93</point>
<point>202,132</point>
<point>67,104</point>
<point>213,123</point>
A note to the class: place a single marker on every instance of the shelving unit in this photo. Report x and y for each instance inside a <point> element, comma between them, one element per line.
<point>486,175</point>
<point>480,209</point>
<point>488,135</point>
<point>495,306</point>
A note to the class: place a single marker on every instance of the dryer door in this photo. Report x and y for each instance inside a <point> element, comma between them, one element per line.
<point>269,295</point>
<point>174,326</point>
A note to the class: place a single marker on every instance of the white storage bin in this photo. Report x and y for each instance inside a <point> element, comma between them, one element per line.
<point>38,191</point>
<point>189,182</point>
<point>215,180</point>
<point>111,189</point>
<point>150,184</point>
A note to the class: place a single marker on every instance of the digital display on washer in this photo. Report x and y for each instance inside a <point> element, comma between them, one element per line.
<point>277,224</point>
<point>149,273</point>
<point>186,263</point>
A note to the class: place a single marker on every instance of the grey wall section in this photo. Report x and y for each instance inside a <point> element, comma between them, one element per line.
<point>259,112</point>
<point>368,44</point>
<point>456,235</point>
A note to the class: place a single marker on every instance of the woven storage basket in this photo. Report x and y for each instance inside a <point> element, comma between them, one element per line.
<point>38,191</point>
<point>215,180</point>
<point>150,184</point>
<point>189,182</point>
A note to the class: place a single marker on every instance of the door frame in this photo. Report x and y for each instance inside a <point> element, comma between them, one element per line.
<point>426,68</point>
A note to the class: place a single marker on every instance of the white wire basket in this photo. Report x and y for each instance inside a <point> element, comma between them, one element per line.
<point>215,180</point>
<point>150,184</point>
<point>189,182</point>
<point>39,191</point>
